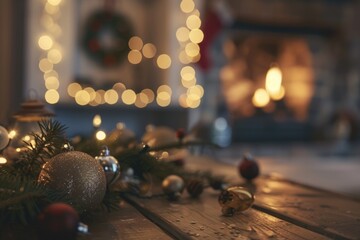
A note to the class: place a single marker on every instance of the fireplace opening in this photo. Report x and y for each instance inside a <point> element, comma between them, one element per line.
<point>270,86</point>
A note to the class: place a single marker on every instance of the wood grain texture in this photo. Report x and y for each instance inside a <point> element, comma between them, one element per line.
<point>201,218</point>
<point>125,224</point>
<point>320,211</point>
<point>331,214</point>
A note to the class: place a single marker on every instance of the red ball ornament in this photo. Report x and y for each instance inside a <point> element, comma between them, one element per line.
<point>180,134</point>
<point>58,221</point>
<point>248,167</point>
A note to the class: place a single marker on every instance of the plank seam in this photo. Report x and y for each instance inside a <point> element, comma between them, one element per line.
<point>298,222</point>
<point>167,227</point>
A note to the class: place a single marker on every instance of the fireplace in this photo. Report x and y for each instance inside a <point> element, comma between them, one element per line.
<point>285,77</point>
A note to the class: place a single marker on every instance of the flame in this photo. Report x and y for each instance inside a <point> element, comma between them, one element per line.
<point>261,98</point>
<point>273,83</point>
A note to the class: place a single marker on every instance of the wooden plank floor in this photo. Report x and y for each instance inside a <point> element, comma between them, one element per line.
<point>282,210</point>
<point>321,211</point>
<point>125,224</point>
<point>202,219</point>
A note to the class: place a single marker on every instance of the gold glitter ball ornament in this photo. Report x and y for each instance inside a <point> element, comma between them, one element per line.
<point>235,199</point>
<point>78,175</point>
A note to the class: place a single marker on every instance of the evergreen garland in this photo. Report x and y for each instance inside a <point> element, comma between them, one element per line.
<point>22,197</point>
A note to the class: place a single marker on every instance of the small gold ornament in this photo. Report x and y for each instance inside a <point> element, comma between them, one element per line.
<point>173,186</point>
<point>78,175</point>
<point>235,199</point>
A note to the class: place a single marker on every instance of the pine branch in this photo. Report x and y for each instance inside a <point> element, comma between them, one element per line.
<point>19,199</point>
<point>47,144</point>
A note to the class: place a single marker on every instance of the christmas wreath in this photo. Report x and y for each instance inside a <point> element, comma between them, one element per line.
<point>106,37</point>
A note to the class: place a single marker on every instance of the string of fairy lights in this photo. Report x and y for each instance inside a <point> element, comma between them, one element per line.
<point>189,37</point>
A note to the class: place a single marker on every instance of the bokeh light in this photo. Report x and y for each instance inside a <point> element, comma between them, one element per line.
<point>82,97</point>
<point>196,36</point>
<point>128,97</point>
<point>52,96</point>
<point>149,50</point>
<point>73,88</point>
<point>182,34</point>
<point>261,98</point>
<point>163,61</point>
<point>135,56</point>
<point>45,42</point>
<point>136,43</point>
<point>111,96</point>
<point>193,22</point>
<point>54,56</point>
<point>45,65</point>
<point>187,6</point>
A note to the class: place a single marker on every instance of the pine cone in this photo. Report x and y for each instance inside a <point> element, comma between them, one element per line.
<point>195,187</point>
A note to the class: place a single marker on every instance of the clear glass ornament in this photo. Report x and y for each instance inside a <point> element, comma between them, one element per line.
<point>235,199</point>
<point>4,138</point>
<point>110,165</point>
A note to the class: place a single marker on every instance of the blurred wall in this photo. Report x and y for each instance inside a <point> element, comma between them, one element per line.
<point>12,15</point>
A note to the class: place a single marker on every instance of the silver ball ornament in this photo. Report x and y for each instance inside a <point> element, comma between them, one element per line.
<point>110,165</point>
<point>4,138</point>
<point>173,186</point>
<point>78,175</point>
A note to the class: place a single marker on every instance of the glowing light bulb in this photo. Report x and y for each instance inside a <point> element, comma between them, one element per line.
<point>3,160</point>
<point>100,135</point>
<point>12,134</point>
<point>163,61</point>
<point>97,121</point>
<point>45,42</point>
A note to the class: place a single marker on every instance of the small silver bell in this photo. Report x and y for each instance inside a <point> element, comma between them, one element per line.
<point>110,165</point>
